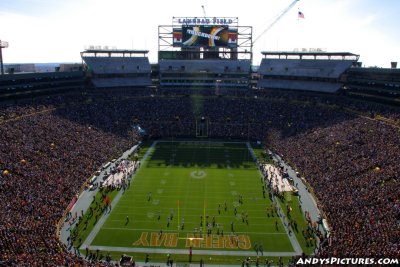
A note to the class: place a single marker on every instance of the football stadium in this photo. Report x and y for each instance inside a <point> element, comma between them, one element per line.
<point>200,159</point>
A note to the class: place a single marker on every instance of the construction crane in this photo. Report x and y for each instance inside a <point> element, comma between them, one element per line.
<point>277,19</point>
<point>204,11</point>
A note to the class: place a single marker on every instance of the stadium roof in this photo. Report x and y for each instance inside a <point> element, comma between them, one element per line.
<point>315,54</point>
<point>113,51</point>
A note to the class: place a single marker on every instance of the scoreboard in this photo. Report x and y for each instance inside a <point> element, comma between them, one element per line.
<point>206,36</point>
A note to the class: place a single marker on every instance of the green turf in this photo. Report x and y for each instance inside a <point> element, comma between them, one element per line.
<point>173,175</point>
<point>144,146</point>
<point>260,153</point>
<point>83,230</point>
<point>297,215</point>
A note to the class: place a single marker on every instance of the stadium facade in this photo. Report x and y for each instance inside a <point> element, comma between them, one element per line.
<point>212,53</point>
<point>60,127</point>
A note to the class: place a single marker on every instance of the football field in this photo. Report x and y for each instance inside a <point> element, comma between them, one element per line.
<point>204,195</point>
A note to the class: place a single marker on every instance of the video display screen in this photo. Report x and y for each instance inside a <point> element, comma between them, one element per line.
<point>205,36</point>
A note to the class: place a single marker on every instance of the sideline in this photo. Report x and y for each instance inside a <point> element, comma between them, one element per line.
<point>83,202</point>
<point>307,200</point>
<point>89,239</point>
<point>292,237</point>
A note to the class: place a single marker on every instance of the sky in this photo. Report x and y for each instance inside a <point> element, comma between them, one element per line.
<point>47,31</point>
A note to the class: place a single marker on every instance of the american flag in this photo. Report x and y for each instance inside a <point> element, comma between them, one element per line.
<point>300,15</point>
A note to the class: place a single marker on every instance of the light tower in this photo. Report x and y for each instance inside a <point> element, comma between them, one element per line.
<point>3,44</point>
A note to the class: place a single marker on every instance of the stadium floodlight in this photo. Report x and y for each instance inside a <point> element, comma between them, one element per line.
<point>3,44</point>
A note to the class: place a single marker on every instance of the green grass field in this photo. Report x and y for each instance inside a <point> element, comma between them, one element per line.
<point>189,182</point>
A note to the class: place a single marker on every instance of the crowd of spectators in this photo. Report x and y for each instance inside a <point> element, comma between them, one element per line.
<point>45,159</point>
<point>353,168</point>
<point>350,162</point>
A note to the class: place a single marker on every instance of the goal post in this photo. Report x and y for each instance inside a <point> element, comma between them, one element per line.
<point>202,127</point>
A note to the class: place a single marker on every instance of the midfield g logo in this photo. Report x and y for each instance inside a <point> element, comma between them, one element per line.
<point>199,174</point>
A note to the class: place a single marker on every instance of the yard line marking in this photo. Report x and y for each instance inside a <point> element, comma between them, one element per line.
<point>194,215</point>
<point>188,232</point>
<point>129,207</point>
<point>189,225</point>
<point>194,251</point>
<point>249,201</point>
<point>233,192</point>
